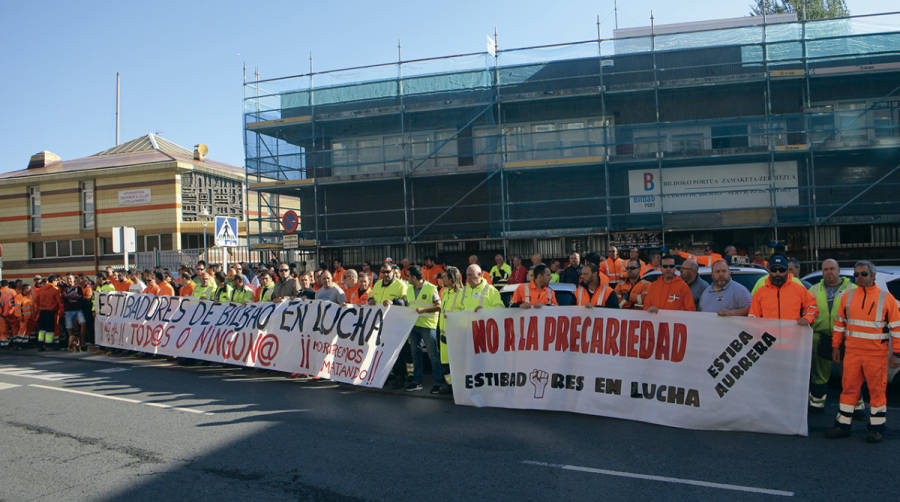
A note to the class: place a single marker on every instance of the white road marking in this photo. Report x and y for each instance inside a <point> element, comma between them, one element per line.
<point>112,370</point>
<point>36,374</point>
<point>4,386</point>
<point>663,479</point>
<point>123,399</point>
<point>46,363</point>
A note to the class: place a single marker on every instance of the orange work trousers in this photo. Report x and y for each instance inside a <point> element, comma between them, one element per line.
<point>869,366</point>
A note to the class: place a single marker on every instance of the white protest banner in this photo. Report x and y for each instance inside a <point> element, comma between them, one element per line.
<point>356,344</point>
<point>684,369</point>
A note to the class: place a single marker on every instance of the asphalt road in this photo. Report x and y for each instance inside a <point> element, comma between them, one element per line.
<point>92,427</point>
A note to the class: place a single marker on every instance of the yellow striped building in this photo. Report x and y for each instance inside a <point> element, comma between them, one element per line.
<point>57,216</point>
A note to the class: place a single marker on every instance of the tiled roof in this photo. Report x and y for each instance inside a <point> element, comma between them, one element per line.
<point>146,143</point>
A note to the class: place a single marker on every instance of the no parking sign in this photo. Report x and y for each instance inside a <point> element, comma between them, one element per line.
<point>290,221</point>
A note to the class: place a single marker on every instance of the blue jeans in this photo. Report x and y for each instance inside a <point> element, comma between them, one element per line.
<point>429,335</point>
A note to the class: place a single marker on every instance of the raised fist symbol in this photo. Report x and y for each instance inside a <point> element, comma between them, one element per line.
<point>540,379</point>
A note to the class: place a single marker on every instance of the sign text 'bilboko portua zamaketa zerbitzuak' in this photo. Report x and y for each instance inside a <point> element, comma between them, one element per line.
<point>350,344</point>
<point>684,369</point>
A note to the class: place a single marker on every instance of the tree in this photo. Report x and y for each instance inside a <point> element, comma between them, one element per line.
<point>814,9</point>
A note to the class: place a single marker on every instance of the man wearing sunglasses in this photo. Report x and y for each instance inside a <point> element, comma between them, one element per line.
<point>868,318</point>
<point>780,297</point>
<point>287,286</point>
<point>632,291</point>
<point>669,292</point>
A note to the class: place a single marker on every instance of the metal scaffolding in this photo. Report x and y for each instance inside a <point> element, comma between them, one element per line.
<point>545,141</point>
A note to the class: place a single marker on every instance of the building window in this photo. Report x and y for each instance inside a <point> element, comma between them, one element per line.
<point>62,248</point>
<point>106,246</point>
<point>87,204</point>
<point>34,209</point>
<point>152,242</point>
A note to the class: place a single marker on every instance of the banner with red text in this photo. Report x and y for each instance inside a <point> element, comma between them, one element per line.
<point>356,344</point>
<point>683,369</point>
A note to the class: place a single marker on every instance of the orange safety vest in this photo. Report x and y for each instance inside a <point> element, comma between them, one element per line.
<point>598,299</point>
<point>24,308</point>
<point>866,319</point>
<point>631,296</point>
<point>532,295</point>
<point>614,269</point>
<point>354,298</point>
<point>7,300</point>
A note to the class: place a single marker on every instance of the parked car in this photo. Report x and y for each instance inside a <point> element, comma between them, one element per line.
<point>565,293</point>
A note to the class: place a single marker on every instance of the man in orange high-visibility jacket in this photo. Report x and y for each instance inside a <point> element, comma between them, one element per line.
<point>48,304</point>
<point>7,307</point>
<point>535,293</point>
<point>613,266</point>
<point>868,318</point>
<point>669,292</point>
<point>632,291</point>
<point>781,297</point>
<point>27,315</point>
<point>594,290</point>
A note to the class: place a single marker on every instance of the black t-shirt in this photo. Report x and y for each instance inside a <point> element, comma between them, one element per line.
<point>72,297</point>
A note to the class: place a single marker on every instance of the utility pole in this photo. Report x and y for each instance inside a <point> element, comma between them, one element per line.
<point>117,108</point>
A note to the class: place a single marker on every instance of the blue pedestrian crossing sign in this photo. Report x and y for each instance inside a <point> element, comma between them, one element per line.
<point>226,232</point>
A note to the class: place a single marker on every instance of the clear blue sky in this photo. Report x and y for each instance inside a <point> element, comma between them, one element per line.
<point>181,61</point>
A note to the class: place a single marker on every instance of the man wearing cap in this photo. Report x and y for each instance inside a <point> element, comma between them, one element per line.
<point>782,298</point>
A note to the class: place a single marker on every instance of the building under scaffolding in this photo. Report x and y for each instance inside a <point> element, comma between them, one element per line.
<point>736,131</point>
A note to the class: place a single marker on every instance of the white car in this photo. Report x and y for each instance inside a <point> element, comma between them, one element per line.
<point>887,279</point>
<point>746,276</point>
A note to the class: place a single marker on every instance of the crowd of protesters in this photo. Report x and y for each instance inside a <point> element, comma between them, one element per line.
<point>59,308</point>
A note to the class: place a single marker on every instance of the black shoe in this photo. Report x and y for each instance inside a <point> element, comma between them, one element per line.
<point>837,433</point>
<point>873,437</point>
<point>446,389</point>
<point>413,387</point>
<point>435,389</point>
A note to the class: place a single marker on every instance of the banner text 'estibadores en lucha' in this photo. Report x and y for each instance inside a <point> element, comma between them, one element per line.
<point>684,369</point>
